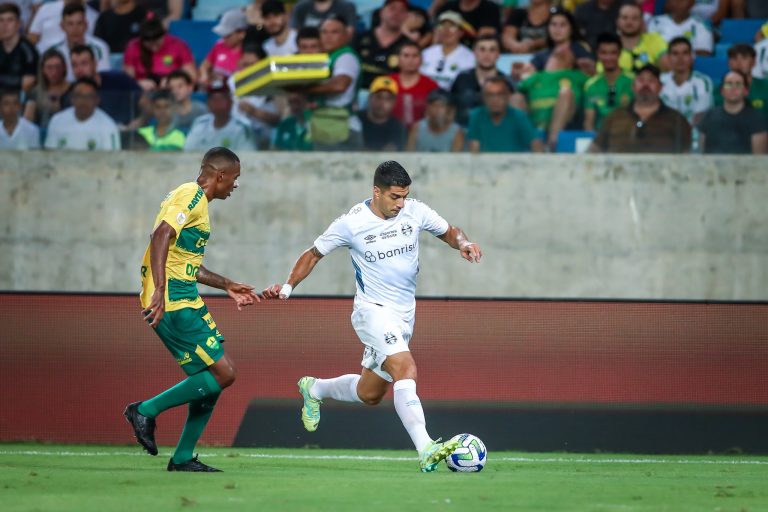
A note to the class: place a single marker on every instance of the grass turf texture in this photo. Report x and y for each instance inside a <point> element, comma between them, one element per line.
<point>85,478</point>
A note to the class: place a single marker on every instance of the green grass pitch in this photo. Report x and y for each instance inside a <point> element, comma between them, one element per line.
<point>36,477</point>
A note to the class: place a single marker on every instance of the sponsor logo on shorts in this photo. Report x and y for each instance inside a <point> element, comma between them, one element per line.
<point>388,234</point>
<point>406,229</point>
<point>370,239</point>
<point>184,359</point>
<point>390,339</point>
<point>212,343</point>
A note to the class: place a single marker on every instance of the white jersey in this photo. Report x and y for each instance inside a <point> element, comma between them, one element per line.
<point>98,46</point>
<point>695,30</point>
<point>97,133</point>
<point>443,69</point>
<point>694,96</point>
<point>385,252</point>
<point>47,23</point>
<point>204,135</point>
<point>761,64</point>
<point>26,135</point>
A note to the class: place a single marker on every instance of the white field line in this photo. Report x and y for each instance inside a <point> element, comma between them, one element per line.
<point>287,456</point>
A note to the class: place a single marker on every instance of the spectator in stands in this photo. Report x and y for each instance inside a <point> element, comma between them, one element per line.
<point>707,10</point>
<point>162,135</point>
<point>45,99</point>
<point>609,89</point>
<point>638,46</point>
<point>312,13</point>
<point>646,125</point>
<point>154,54</point>
<point>526,29</point>
<point>680,23</point>
<point>685,90</point>
<point>26,9</point>
<point>219,127</point>
<point>185,109</point>
<point>437,132</point>
<point>83,126</point>
<point>18,57</point>
<point>259,113</point>
<point>741,58</point>
<point>496,127</point>
<point>417,27</point>
<point>16,132</point>
<point>46,29</point>
<point>75,25</point>
<point>734,127</point>
<point>308,40</point>
<point>222,60</point>
<point>478,14</point>
<point>282,40</point>
<point>256,33</point>
<point>565,48</point>
<point>332,125</point>
<point>413,87</point>
<point>378,48</point>
<point>166,11</point>
<point>445,60</point>
<point>467,87</point>
<point>381,131</point>
<point>120,23</point>
<point>597,16</point>
<point>292,132</point>
<point>119,94</point>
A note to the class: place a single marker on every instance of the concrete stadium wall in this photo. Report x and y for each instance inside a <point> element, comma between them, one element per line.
<point>560,226</point>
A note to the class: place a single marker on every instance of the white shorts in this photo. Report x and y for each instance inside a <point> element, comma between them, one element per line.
<point>383,330</point>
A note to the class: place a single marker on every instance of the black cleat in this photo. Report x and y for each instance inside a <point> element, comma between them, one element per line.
<point>192,465</point>
<point>143,427</point>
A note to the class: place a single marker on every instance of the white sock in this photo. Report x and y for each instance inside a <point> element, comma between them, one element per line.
<point>342,388</point>
<point>408,407</point>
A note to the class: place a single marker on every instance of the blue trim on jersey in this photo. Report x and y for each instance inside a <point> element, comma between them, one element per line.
<point>358,276</point>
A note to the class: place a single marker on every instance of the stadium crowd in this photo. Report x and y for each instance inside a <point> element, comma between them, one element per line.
<point>436,76</point>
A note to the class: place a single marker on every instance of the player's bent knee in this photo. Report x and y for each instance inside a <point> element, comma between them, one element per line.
<point>370,398</point>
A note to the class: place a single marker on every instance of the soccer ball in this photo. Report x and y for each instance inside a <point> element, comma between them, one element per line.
<point>469,457</point>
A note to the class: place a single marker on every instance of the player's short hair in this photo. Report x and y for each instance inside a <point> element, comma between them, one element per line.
<point>741,49</point>
<point>308,33</point>
<point>680,40</point>
<point>10,7</point>
<point>608,38</point>
<point>70,9</point>
<point>391,174</point>
<point>220,153</point>
<point>82,48</point>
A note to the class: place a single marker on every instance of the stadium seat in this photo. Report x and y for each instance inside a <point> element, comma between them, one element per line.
<point>574,141</point>
<point>739,30</point>
<point>714,67</point>
<point>200,96</point>
<point>197,34</point>
<point>504,64</point>
<point>213,9</point>
<point>721,50</point>
<point>116,61</point>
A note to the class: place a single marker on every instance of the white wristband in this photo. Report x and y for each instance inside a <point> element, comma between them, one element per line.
<point>286,290</point>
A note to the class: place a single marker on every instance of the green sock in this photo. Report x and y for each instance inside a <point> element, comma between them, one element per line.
<point>199,413</point>
<point>194,387</point>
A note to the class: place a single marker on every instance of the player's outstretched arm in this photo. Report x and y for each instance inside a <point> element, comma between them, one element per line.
<point>158,255</point>
<point>301,269</point>
<point>456,238</point>
<point>242,293</point>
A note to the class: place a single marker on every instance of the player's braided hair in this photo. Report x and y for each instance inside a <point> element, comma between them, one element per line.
<point>389,174</point>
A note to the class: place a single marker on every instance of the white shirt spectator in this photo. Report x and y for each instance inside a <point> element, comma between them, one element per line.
<point>695,30</point>
<point>443,69</point>
<point>100,51</point>
<point>203,135</point>
<point>385,252</point>
<point>26,135</point>
<point>694,96</point>
<point>346,64</point>
<point>761,63</point>
<point>287,48</point>
<point>97,133</point>
<point>47,23</point>
<point>704,9</point>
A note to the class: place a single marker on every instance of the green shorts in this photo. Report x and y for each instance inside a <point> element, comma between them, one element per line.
<point>192,337</point>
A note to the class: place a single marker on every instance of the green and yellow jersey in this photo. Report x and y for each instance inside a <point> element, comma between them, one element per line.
<point>185,209</point>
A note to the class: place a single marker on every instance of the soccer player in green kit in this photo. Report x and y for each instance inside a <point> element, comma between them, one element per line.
<point>170,271</point>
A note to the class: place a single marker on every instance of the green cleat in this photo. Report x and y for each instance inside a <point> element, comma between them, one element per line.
<point>310,412</point>
<point>435,452</point>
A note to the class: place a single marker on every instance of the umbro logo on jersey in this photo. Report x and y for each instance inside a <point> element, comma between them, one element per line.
<point>370,239</point>
<point>390,339</point>
<point>406,229</point>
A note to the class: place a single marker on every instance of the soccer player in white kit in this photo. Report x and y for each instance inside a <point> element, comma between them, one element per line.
<point>382,235</point>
